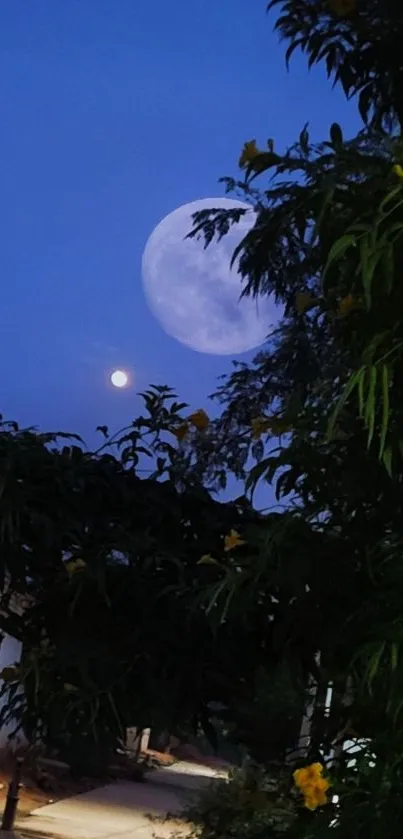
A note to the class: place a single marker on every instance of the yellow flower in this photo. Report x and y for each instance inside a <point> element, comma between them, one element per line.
<point>181,431</point>
<point>74,565</point>
<point>249,152</point>
<point>233,540</point>
<point>398,170</point>
<point>207,559</point>
<point>308,775</point>
<point>322,784</point>
<point>342,7</point>
<point>277,425</point>
<point>314,800</point>
<point>259,426</point>
<point>347,305</point>
<point>316,795</point>
<point>199,419</point>
<point>312,785</point>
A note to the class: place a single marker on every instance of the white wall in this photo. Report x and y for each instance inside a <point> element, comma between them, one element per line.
<point>10,652</point>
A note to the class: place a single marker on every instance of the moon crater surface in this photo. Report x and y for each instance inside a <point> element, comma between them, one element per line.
<point>192,290</point>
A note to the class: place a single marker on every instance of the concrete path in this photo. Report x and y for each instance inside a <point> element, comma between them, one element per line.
<point>122,809</point>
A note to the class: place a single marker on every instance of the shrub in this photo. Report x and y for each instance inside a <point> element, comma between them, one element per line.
<point>253,802</point>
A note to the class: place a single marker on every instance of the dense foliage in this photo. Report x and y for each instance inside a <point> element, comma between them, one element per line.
<point>319,412</point>
<point>253,804</point>
<point>151,602</point>
<point>107,566</point>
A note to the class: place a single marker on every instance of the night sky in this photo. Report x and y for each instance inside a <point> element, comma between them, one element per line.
<point>112,114</point>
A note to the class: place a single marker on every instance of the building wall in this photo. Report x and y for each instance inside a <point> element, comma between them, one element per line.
<point>10,652</point>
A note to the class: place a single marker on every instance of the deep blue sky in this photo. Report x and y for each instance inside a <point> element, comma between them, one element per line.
<point>112,114</point>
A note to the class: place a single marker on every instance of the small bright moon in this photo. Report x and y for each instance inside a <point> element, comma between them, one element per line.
<point>119,378</point>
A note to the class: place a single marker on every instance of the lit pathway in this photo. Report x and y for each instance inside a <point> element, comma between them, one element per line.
<point>122,808</point>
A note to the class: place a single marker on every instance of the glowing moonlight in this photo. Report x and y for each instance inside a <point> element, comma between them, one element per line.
<point>119,378</point>
<point>193,292</point>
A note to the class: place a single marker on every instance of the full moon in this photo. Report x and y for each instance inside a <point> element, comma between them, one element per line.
<point>192,290</point>
<point>119,378</point>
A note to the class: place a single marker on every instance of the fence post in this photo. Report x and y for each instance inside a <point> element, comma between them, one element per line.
<point>12,797</point>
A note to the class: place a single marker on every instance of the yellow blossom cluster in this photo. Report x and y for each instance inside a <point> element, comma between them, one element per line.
<point>259,426</point>
<point>231,540</point>
<point>312,785</point>
<point>348,304</point>
<point>199,419</point>
<point>74,565</point>
<point>249,152</point>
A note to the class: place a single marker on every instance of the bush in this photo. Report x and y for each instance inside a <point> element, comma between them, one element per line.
<point>253,802</point>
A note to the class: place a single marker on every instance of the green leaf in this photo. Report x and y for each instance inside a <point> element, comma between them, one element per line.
<point>351,384</point>
<point>338,250</point>
<point>368,353</point>
<point>69,688</point>
<point>369,258</point>
<point>304,139</point>
<point>385,408</point>
<point>394,656</point>
<point>388,260</point>
<point>361,382</point>
<point>386,201</point>
<point>336,135</point>
<point>260,163</point>
<point>103,429</point>
<point>387,460</point>
<point>328,197</point>
<point>370,404</point>
<point>256,473</point>
<point>373,665</point>
<point>216,594</point>
<point>363,264</point>
<point>207,559</point>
